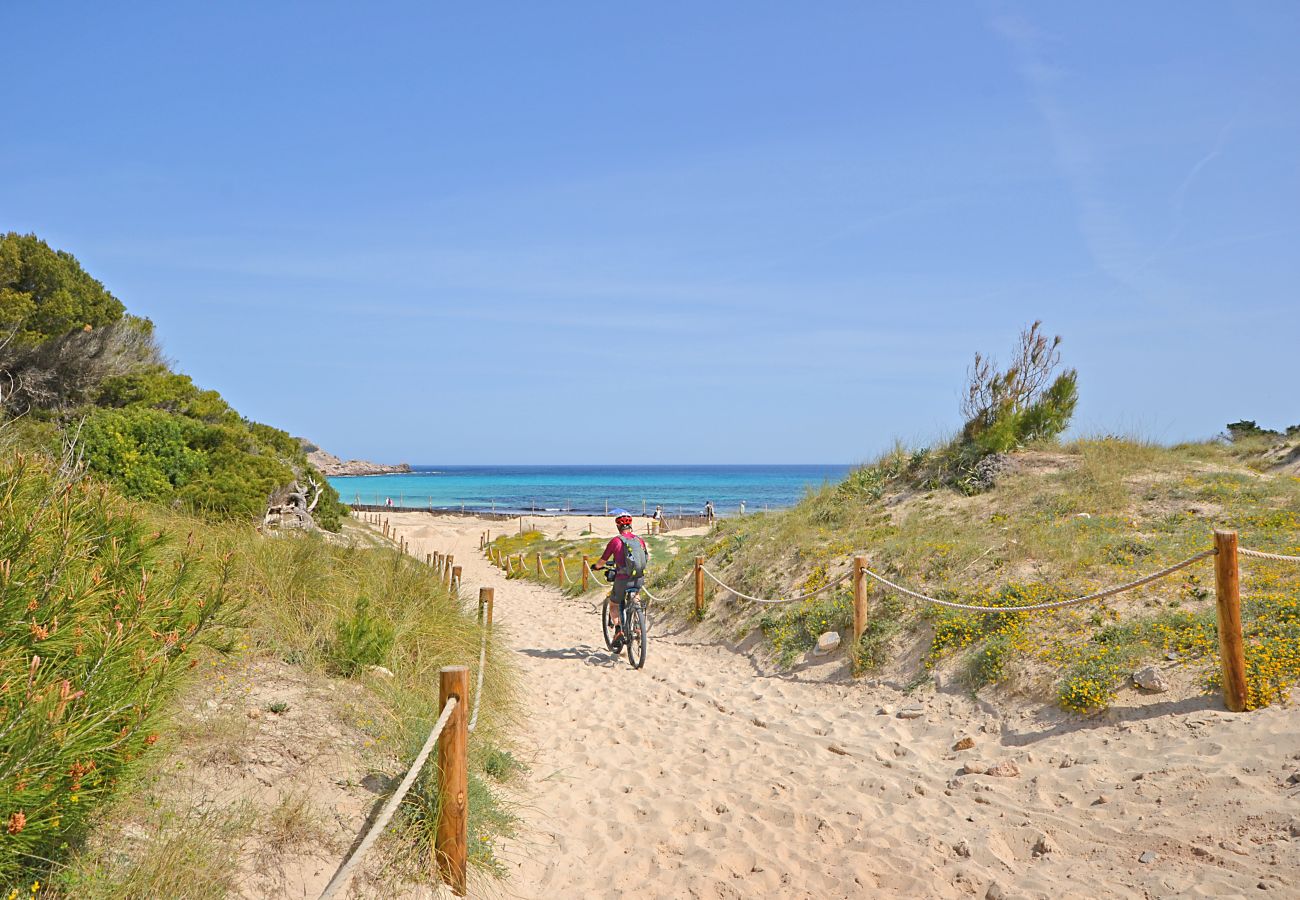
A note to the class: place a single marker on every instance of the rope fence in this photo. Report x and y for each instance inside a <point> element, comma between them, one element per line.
<point>1227,580</point>
<point>1260,554</point>
<point>344,874</point>
<point>478,686</point>
<point>1057,604</point>
<point>821,590</point>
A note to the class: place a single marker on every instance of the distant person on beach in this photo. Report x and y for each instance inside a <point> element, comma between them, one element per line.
<point>708,511</point>
<point>631,556</point>
<point>742,507</point>
<point>388,501</point>
<point>659,514</point>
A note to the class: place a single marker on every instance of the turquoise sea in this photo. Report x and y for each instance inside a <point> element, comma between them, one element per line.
<point>591,489</point>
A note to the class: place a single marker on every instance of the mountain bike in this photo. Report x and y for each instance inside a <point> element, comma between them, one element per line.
<point>636,629</point>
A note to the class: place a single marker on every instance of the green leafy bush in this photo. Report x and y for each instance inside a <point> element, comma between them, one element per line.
<point>44,293</point>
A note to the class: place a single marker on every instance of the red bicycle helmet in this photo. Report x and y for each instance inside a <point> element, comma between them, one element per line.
<point>623,520</point>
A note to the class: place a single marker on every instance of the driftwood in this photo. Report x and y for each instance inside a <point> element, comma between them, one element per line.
<point>290,508</point>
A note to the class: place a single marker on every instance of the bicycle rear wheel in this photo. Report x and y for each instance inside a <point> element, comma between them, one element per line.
<point>636,634</point>
<point>604,621</point>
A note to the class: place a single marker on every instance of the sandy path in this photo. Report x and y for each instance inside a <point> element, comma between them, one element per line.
<point>700,777</point>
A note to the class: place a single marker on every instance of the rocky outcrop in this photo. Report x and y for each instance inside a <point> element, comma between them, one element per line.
<point>328,464</point>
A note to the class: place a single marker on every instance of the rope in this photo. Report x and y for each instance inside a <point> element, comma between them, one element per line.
<point>564,576</point>
<point>822,589</point>
<point>1260,554</point>
<point>1098,595</point>
<point>478,688</point>
<point>344,874</point>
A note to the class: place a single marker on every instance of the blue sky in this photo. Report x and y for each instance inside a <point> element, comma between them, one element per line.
<point>452,233</point>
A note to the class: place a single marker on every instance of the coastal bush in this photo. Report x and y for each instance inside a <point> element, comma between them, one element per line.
<point>360,640</point>
<point>1007,409</point>
<point>103,617</point>
<point>222,469</point>
<point>793,629</point>
<point>77,359</point>
<point>885,620</point>
<point>44,293</point>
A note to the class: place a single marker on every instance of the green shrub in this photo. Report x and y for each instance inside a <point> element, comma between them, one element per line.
<point>884,621</point>
<point>360,640</point>
<point>796,627</point>
<point>988,664</point>
<point>45,293</point>
<point>223,469</point>
<point>102,619</point>
<point>501,765</point>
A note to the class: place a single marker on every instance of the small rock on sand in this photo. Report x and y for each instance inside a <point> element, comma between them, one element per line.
<point>964,743</point>
<point>911,712</point>
<point>1148,857</point>
<point>1045,845</point>
<point>1067,762</point>
<point>1007,768</point>
<point>994,892</point>
<point>962,848</point>
<point>974,767</point>
<point>828,642</point>
<point>380,671</point>
<point>1149,678</point>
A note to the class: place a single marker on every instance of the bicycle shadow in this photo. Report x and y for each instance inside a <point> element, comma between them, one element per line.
<point>592,656</point>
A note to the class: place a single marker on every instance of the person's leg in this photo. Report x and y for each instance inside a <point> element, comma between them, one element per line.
<point>620,597</point>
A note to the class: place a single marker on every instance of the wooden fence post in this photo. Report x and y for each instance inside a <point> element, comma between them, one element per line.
<point>559,572</point>
<point>859,599</point>
<point>485,596</point>
<point>539,565</point>
<point>452,845</point>
<point>586,568</point>
<point>447,568</point>
<point>1232,651</point>
<point>455,578</point>
<point>699,585</point>
<point>428,559</point>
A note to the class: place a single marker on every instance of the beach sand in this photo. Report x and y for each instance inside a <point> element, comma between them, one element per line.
<point>703,776</point>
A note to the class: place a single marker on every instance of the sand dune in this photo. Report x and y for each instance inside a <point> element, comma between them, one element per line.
<point>700,776</point>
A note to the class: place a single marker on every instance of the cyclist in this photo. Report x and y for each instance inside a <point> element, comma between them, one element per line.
<point>629,569</point>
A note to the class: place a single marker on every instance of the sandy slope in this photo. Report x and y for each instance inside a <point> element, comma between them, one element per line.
<point>701,777</point>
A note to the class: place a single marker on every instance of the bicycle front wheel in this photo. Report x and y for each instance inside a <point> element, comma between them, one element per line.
<point>636,635</point>
<point>605,613</point>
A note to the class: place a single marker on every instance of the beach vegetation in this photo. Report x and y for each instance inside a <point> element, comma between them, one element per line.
<point>104,616</point>
<point>80,370</point>
<point>1063,520</point>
